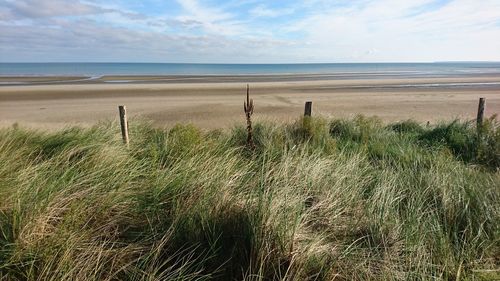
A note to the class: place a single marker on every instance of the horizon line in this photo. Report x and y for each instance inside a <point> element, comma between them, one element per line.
<point>237,63</point>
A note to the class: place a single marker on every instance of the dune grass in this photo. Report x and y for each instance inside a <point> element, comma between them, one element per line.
<point>316,200</point>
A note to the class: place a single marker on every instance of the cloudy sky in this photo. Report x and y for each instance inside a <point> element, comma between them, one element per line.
<point>249,31</point>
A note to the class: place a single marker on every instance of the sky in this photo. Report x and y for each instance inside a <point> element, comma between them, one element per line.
<point>249,31</point>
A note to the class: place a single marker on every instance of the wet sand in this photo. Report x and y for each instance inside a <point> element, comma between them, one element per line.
<point>216,101</point>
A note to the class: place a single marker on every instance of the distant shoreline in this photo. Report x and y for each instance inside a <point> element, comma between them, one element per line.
<point>26,80</point>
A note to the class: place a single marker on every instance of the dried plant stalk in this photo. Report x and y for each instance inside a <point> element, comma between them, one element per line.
<point>248,108</point>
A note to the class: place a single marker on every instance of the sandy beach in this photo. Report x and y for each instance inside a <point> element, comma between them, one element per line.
<point>216,101</point>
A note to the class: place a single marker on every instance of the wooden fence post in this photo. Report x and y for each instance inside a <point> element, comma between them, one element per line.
<point>308,108</point>
<point>124,123</point>
<point>480,112</point>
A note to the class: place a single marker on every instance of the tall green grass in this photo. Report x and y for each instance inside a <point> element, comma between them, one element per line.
<point>316,200</point>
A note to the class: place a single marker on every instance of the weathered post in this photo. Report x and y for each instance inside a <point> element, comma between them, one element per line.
<point>308,108</point>
<point>480,113</point>
<point>124,123</point>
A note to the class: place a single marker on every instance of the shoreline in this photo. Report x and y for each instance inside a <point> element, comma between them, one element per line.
<point>216,103</point>
<point>30,80</point>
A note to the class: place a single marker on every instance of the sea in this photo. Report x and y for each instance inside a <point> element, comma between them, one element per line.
<point>101,69</point>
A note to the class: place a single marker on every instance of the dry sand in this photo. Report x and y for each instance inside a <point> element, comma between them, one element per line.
<point>213,102</point>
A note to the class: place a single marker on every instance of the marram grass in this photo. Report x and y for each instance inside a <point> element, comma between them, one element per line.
<point>316,200</point>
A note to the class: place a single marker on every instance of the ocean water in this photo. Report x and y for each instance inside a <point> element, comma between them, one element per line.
<point>100,69</point>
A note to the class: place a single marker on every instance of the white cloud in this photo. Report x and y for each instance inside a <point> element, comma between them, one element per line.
<point>263,11</point>
<point>50,8</point>
<point>87,40</point>
<point>455,31</point>
<point>213,20</point>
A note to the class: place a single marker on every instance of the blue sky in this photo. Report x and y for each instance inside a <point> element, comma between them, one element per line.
<point>250,31</point>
